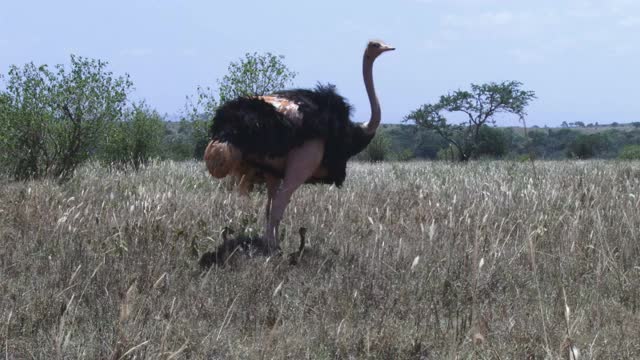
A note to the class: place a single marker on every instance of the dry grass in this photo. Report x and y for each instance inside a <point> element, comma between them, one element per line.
<point>418,260</point>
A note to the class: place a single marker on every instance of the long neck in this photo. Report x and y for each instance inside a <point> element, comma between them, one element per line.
<point>367,72</point>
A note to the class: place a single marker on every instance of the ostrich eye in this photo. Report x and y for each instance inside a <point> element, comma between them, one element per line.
<point>376,45</point>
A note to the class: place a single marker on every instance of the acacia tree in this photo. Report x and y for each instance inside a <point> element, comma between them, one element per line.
<point>54,119</point>
<point>479,106</point>
<point>255,74</point>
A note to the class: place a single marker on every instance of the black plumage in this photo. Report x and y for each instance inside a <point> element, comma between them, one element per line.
<point>258,129</point>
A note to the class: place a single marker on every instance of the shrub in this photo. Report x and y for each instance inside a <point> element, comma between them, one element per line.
<point>136,138</point>
<point>630,152</point>
<point>450,153</point>
<point>404,155</point>
<point>588,146</point>
<point>53,120</point>
<point>378,148</point>
<point>492,142</point>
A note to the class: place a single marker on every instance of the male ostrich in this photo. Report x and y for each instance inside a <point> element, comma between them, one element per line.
<point>290,138</point>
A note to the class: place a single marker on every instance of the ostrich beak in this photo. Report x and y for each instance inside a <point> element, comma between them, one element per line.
<point>388,48</point>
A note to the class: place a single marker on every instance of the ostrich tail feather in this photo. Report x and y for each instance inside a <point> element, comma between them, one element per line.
<point>221,158</point>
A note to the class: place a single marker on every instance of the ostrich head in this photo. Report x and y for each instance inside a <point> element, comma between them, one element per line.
<point>377,47</point>
<point>225,233</point>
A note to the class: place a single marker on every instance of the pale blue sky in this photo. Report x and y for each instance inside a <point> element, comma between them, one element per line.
<point>582,57</point>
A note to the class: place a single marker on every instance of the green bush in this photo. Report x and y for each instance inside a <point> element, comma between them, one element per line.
<point>378,148</point>
<point>492,142</point>
<point>630,152</point>
<point>450,153</point>
<point>52,121</point>
<point>588,146</point>
<point>404,155</point>
<point>136,138</point>
<point>178,148</point>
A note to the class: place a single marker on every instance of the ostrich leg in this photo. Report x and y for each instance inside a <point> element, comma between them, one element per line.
<point>301,163</point>
<point>272,187</point>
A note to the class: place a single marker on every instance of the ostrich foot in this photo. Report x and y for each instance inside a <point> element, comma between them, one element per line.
<point>269,246</point>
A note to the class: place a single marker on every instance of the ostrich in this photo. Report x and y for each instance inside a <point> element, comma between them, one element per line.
<point>290,138</point>
<point>241,244</point>
<point>246,245</point>
<point>295,256</point>
<point>221,254</point>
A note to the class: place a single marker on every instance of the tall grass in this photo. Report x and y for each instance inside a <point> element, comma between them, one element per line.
<point>411,260</point>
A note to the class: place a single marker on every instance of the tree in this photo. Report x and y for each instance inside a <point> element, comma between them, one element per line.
<point>255,74</point>
<point>136,138</point>
<point>479,106</point>
<point>54,119</point>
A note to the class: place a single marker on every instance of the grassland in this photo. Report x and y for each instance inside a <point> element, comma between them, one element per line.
<point>414,260</point>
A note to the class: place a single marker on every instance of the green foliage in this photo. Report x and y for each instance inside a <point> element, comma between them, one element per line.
<point>479,106</point>
<point>630,152</point>
<point>178,149</point>
<point>255,74</point>
<point>449,153</point>
<point>496,142</point>
<point>515,141</point>
<point>136,138</point>
<point>492,142</point>
<point>588,146</point>
<point>525,158</point>
<point>54,119</point>
<point>378,148</point>
<point>194,127</point>
<point>409,142</point>
<point>200,137</point>
<point>5,111</point>
<point>404,155</point>
<point>427,143</point>
<point>550,144</point>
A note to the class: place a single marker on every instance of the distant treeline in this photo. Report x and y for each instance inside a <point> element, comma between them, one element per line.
<point>406,142</point>
<point>604,141</point>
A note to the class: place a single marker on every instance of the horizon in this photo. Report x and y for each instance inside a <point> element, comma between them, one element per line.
<point>577,55</point>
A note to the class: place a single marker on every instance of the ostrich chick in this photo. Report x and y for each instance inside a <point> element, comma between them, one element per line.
<point>295,256</point>
<point>290,138</point>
